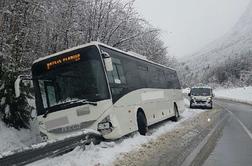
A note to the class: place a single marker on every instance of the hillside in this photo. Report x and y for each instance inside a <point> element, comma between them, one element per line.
<point>226,61</point>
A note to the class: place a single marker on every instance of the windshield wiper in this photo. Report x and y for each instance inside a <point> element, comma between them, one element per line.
<point>73,102</point>
<point>83,101</point>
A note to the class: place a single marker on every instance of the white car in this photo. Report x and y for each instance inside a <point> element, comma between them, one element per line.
<point>201,97</point>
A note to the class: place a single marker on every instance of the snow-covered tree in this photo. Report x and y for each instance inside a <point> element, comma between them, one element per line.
<point>15,111</point>
<point>112,22</point>
<point>35,28</point>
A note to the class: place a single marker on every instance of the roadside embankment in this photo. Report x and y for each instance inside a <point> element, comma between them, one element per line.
<point>242,95</point>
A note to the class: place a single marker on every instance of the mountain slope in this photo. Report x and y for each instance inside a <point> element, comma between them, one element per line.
<point>233,50</point>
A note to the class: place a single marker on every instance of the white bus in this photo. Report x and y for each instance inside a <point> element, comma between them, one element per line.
<point>95,86</point>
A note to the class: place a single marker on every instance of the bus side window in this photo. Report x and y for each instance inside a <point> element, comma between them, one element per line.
<point>121,73</point>
<point>117,78</point>
<point>117,75</point>
<point>169,79</point>
<point>172,80</point>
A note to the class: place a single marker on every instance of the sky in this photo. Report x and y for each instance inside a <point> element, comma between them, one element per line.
<point>188,25</point>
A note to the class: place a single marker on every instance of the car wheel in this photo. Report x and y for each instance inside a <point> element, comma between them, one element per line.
<point>211,106</point>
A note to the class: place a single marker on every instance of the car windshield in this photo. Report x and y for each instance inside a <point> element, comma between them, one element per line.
<point>200,92</point>
<point>74,81</point>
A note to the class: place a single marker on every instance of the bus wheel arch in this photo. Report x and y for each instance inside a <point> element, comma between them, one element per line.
<point>141,122</point>
<point>176,112</point>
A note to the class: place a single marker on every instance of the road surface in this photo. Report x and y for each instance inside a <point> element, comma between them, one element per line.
<point>224,133</point>
<point>234,145</point>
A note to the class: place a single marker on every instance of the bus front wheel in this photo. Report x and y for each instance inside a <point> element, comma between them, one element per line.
<point>142,123</point>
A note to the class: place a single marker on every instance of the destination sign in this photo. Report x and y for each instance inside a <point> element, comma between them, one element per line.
<point>71,58</point>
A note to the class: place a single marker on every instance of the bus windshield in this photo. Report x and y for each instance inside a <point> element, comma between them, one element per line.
<point>66,83</point>
<point>200,92</point>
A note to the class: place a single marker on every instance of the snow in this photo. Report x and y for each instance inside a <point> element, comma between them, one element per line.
<point>2,101</point>
<point>187,102</point>
<point>186,90</point>
<point>7,110</point>
<point>236,94</point>
<point>12,139</point>
<point>107,152</point>
<point>17,88</point>
<point>2,87</point>
<point>31,139</point>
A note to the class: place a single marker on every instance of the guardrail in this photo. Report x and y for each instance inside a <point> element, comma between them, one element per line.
<point>52,149</point>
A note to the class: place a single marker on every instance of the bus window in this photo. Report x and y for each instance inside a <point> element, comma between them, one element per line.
<point>50,93</point>
<point>121,74</point>
<point>47,93</point>
<point>117,78</point>
<point>117,75</point>
<point>172,80</point>
<point>79,79</point>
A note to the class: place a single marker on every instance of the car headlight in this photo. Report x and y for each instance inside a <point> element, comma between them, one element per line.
<point>209,99</point>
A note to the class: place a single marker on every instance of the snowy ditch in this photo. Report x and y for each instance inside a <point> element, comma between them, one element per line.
<point>107,152</point>
<point>11,139</point>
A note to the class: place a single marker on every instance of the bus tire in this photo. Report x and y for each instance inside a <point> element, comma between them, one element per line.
<point>176,113</point>
<point>142,123</point>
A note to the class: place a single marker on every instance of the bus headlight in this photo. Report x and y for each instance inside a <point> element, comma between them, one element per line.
<point>105,125</point>
<point>43,136</point>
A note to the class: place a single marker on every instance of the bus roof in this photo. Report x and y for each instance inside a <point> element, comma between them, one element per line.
<point>130,53</point>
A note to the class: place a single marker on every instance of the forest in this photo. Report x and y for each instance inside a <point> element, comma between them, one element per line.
<point>31,29</point>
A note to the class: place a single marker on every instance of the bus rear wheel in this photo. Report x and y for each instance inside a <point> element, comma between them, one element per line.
<point>176,113</point>
<point>142,123</point>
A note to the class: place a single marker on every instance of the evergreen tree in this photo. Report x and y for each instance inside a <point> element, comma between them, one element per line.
<point>15,111</point>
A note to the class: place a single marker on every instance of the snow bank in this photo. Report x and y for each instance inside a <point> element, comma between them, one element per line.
<point>186,90</point>
<point>12,139</point>
<point>107,152</point>
<point>235,94</point>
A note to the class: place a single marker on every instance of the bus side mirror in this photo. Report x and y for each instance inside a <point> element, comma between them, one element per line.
<point>107,61</point>
<point>18,82</point>
<point>189,94</point>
